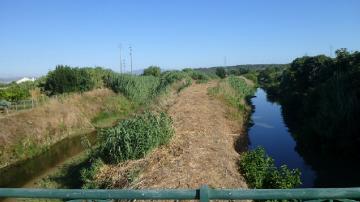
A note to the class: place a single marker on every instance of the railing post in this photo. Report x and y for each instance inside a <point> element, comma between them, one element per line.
<point>204,193</point>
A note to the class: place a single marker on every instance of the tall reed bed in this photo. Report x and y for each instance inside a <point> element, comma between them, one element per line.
<point>137,88</point>
<point>233,91</point>
<point>135,137</point>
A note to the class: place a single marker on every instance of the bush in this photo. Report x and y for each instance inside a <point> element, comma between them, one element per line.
<point>135,137</point>
<point>220,72</point>
<point>139,89</point>
<point>65,79</point>
<point>152,71</point>
<point>88,174</point>
<point>199,76</point>
<point>260,172</point>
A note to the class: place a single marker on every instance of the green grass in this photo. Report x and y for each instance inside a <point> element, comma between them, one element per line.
<point>139,89</point>
<point>114,109</point>
<point>132,138</point>
<point>233,91</point>
<point>135,137</point>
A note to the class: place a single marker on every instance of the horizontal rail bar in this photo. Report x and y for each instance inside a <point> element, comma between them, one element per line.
<point>183,194</point>
<point>308,193</point>
<point>161,194</point>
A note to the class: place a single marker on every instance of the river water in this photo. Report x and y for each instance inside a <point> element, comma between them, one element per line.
<point>270,132</point>
<point>24,173</point>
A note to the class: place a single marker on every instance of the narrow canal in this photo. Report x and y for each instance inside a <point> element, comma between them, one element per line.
<point>25,173</point>
<point>270,132</point>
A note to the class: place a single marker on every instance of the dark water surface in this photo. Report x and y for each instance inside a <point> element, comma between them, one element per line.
<point>317,169</point>
<point>23,173</point>
<point>270,132</point>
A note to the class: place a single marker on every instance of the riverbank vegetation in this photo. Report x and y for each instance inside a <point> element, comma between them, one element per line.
<point>234,92</point>
<point>260,171</point>
<point>320,97</point>
<point>131,139</point>
<point>77,100</point>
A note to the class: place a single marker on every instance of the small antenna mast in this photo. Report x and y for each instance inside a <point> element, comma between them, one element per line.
<point>121,69</point>
<point>123,65</point>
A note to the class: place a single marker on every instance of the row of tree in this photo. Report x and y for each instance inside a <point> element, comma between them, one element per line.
<point>320,98</point>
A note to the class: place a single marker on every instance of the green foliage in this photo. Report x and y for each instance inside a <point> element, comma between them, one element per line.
<point>65,79</point>
<point>260,171</point>
<point>88,174</point>
<point>200,77</point>
<point>187,70</point>
<point>240,86</point>
<point>270,79</point>
<point>134,138</point>
<point>138,89</point>
<point>97,75</point>
<point>114,108</point>
<point>16,92</point>
<point>252,75</point>
<point>320,97</point>
<point>186,84</point>
<point>220,72</point>
<point>234,91</point>
<point>141,89</point>
<point>152,71</point>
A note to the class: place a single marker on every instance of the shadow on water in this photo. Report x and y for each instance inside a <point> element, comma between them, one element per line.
<point>22,173</point>
<point>274,129</point>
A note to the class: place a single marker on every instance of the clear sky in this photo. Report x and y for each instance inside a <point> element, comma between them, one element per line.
<point>37,35</point>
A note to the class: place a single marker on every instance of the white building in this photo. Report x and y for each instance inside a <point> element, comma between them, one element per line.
<point>25,79</point>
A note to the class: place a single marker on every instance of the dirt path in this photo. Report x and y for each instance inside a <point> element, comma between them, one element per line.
<point>202,151</point>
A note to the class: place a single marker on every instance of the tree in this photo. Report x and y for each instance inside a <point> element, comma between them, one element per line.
<point>221,72</point>
<point>65,79</point>
<point>152,70</point>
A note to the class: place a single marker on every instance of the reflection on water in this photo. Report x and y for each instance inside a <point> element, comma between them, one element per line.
<point>270,132</point>
<point>23,172</point>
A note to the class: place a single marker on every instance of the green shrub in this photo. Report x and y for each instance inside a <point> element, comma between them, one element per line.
<point>88,174</point>
<point>220,72</point>
<point>139,89</point>
<point>200,77</point>
<point>135,137</point>
<point>65,79</point>
<point>260,172</point>
<point>239,85</point>
<point>152,71</point>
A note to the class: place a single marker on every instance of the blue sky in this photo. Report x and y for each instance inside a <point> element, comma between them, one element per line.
<point>37,35</point>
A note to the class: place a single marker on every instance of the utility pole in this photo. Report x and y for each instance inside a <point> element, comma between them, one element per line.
<point>121,69</point>
<point>131,67</point>
<point>224,61</point>
<point>123,65</point>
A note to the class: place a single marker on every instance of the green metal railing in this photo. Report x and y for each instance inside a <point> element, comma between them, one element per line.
<point>203,194</point>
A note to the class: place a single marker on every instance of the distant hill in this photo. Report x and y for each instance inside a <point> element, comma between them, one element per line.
<point>245,66</point>
<point>9,79</point>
